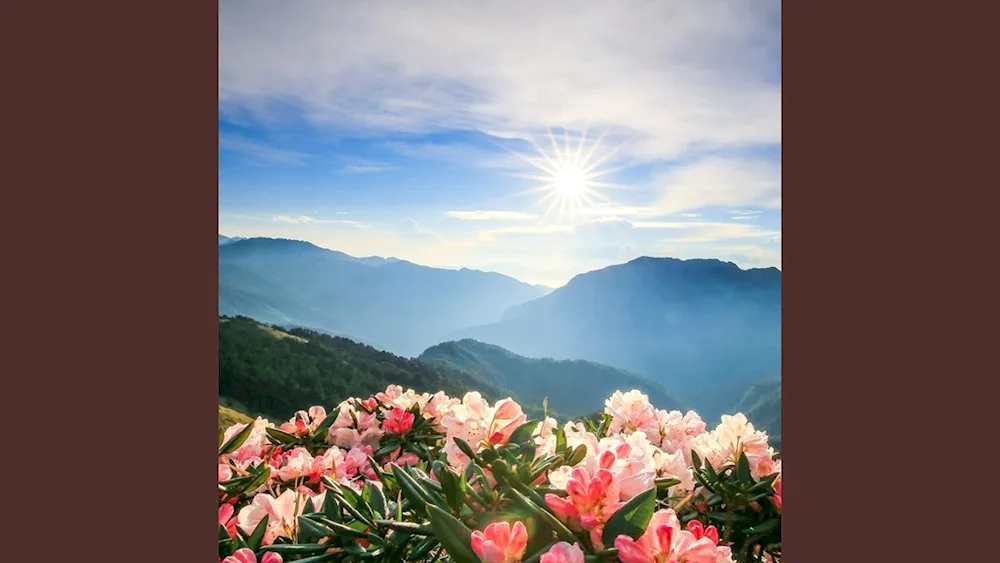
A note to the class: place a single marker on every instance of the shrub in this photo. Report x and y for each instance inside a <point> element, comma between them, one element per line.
<point>402,476</point>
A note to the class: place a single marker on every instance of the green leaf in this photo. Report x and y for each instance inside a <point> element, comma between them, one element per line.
<point>259,480</point>
<point>523,432</point>
<point>423,548</point>
<point>605,425</point>
<point>578,454</point>
<point>223,533</point>
<point>319,435</point>
<point>560,439</point>
<point>411,489</point>
<point>453,535</point>
<point>631,519</point>
<point>222,436</point>
<point>764,528</point>
<point>297,549</point>
<point>452,490</point>
<point>253,542</point>
<point>321,558</point>
<point>547,517</point>
<point>465,447</point>
<point>666,483</point>
<point>308,507</point>
<point>236,441</point>
<point>408,527</point>
<point>311,531</point>
<point>743,469</point>
<point>695,460</point>
<point>281,436</point>
<point>376,500</point>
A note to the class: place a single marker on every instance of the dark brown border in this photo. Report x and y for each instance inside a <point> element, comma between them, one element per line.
<point>111,203</point>
<point>110,208</point>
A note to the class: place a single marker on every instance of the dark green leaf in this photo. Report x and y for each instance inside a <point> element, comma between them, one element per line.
<point>453,535</point>
<point>223,533</point>
<point>281,436</point>
<point>411,489</point>
<point>545,516</point>
<point>375,499</point>
<point>523,432</point>
<point>743,469</point>
<point>236,441</point>
<point>253,542</point>
<point>465,447</point>
<point>297,549</point>
<point>311,531</point>
<point>631,519</point>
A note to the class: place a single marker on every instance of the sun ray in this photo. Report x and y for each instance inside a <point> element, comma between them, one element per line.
<point>571,174</point>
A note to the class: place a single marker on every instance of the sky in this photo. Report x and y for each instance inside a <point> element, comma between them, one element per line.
<point>536,139</point>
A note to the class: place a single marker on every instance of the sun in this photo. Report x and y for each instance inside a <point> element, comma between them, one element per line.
<point>570,175</point>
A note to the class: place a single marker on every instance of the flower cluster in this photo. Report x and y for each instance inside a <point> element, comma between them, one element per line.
<point>411,476</point>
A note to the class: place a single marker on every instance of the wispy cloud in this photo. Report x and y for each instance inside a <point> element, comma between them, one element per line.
<point>674,74</point>
<point>261,152</point>
<point>491,215</point>
<point>719,182</point>
<point>356,165</point>
<point>307,220</point>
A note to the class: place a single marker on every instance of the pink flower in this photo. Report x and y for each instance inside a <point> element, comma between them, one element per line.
<point>777,493</point>
<point>225,472</point>
<point>245,555</point>
<point>665,542</point>
<point>398,421</point>
<point>563,552</point>
<point>369,404</point>
<point>227,519</point>
<point>507,416</point>
<point>592,499</point>
<point>499,543</point>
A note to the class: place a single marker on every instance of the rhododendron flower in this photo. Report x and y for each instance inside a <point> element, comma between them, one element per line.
<point>507,416</point>
<point>254,444</point>
<point>499,543</point>
<point>467,421</point>
<point>282,513</point>
<point>246,555</point>
<point>563,552</point>
<point>665,542</point>
<point>398,421</point>
<point>227,519</point>
<point>777,493</point>
<point>677,430</point>
<point>225,472</point>
<point>630,412</point>
<point>592,499</point>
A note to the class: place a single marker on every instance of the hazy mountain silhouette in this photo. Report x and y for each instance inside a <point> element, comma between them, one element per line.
<point>227,240</point>
<point>386,302</point>
<point>704,329</point>
<point>573,387</point>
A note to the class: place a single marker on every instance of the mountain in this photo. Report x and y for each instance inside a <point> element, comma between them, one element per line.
<point>573,387</point>
<point>268,371</point>
<point>227,240</point>
<point>386,302</point>
<point>761,404</point>
<point>704,329</point>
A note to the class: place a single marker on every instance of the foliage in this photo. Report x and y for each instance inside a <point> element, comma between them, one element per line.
<point>535,379</point>
<point>229,417</point>
<point>402,476</point>
<point>274,376</point>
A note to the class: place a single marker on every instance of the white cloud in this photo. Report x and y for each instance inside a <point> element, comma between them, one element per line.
<point>260,152</point>
<point>671,74</point>
<point>491,215</point>
<point>719,182</point>
<point>307,220</point>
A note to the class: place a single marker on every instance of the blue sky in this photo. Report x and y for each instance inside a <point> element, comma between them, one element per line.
<point>421,132</point>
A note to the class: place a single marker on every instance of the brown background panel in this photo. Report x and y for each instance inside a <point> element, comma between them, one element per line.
<point>110,203</point>
<point>110,211</point>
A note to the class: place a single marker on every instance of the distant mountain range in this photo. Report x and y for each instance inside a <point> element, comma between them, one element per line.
<point>574,387</point>
<point>226,240</point>
<point>264,370</point>
<point>386,302</point>
<point>704,329</point>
